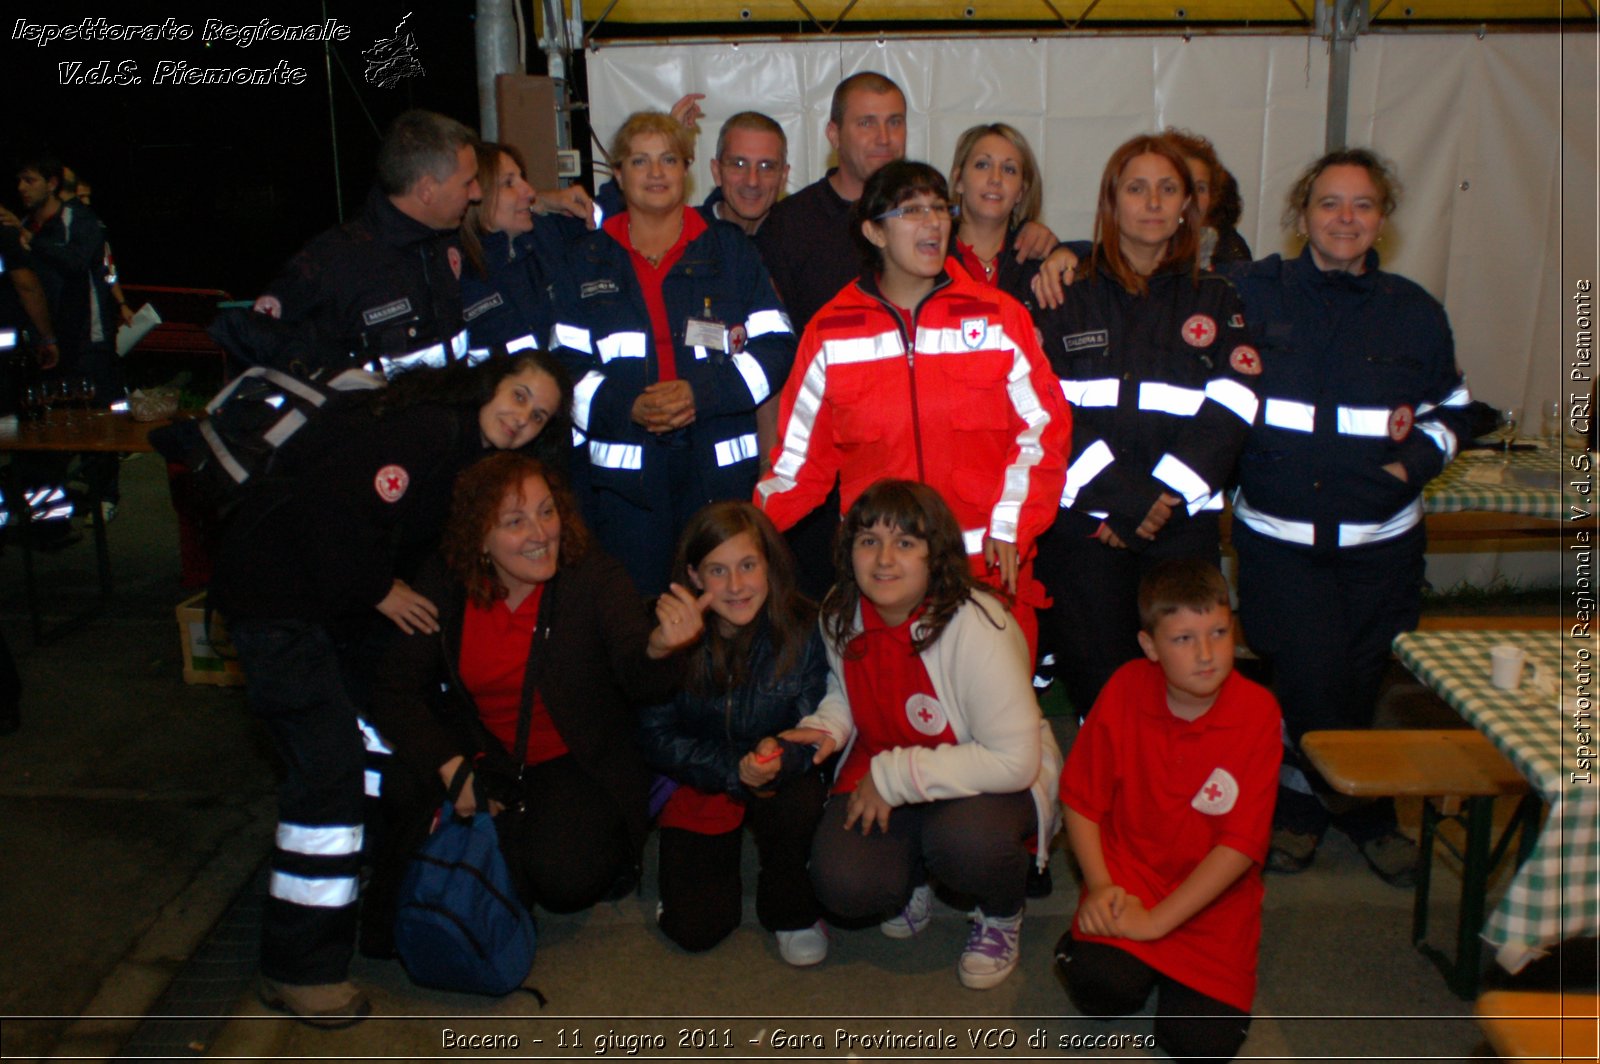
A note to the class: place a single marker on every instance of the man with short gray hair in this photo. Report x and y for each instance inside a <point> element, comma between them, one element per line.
<point>385,287</point>
<point>750,168</point>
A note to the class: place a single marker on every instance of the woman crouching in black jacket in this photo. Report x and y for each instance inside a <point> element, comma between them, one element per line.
<point>759,669</point>
<point>544,651</point>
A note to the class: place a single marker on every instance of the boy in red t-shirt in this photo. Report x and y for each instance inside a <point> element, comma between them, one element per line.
<point>1169,792</point>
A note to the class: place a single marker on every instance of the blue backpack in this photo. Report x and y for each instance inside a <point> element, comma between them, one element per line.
<point>460,925</point>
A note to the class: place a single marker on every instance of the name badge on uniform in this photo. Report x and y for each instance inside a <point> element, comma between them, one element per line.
<point>603,287</point>
<point>387,312</point>
<point>706,332</point>
<point>1085,340</point>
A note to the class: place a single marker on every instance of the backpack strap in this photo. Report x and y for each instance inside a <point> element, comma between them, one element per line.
<point>458,781</point>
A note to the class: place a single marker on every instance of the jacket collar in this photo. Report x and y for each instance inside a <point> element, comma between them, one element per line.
<point>1305,268</point>
<point>392,226</point>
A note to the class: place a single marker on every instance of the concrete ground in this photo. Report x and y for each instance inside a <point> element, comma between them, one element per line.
<point>135,812</point>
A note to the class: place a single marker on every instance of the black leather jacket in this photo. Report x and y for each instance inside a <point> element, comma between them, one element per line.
<point>699,739</point>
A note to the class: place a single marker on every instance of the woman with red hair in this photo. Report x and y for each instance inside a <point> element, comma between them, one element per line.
<point>1153,355</point>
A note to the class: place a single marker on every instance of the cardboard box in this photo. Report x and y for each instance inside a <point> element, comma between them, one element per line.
<point>207,657</point>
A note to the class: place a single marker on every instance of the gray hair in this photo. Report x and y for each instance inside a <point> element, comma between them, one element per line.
<point>420,142</point>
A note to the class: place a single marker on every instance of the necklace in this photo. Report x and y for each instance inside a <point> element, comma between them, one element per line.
<point>654,260</point>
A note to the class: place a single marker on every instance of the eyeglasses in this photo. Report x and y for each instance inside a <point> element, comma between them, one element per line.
<point>741,165</point>
<point>917,212</point>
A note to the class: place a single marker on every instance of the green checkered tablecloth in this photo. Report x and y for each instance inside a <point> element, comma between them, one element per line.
<point>1470,483</point>
<point>1555,895</point>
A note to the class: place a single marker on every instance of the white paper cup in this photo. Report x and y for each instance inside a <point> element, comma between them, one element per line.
<point>1505,666</point>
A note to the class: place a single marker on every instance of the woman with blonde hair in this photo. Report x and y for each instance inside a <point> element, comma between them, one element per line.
<point>674,334</point>
<point>994,180</point>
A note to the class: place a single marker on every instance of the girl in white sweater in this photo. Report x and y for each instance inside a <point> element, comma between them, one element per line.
<point>947,769</point>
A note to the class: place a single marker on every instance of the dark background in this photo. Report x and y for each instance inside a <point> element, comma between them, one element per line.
<point>215,186</point>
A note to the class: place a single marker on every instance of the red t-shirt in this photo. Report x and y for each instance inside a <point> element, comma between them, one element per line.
<point>650,280</point>
<point>1165,792</point>
<point>891,696</point>
<point>494,660</point>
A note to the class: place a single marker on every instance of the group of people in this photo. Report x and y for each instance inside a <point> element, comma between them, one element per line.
<point>1029,447</point>
<point>60,308</point>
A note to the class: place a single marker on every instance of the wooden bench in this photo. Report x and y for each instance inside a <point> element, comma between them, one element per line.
<point>1541,1025</point>
<point>1458,773</point>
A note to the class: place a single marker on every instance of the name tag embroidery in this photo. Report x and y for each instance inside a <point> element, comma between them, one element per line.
<point>603,287</point>
<point>388,312</point>
<point>483,306</point>
<point>1084,340</point>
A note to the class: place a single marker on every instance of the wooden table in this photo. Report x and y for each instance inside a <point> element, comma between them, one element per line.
<point>97,431</point>
<point>1546,735</point>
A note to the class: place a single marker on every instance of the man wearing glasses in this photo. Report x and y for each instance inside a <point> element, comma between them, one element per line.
<point>750,168</point>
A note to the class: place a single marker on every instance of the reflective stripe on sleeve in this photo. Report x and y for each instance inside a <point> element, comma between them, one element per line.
<point>1460,397</point>
<point>1288,414</point>
<point>1363,421</point>
<point>1442,438</point>
<point>621,345</point>
<point>616,455</point>
<point>763,322</point>
<point>583,397</point>
<point>8,339</point>
<point>973,539</point>
<point>797,433</point>
<point>1170,398</point>
<point>526,342</point>
<point>372,783</point>
<point>755,378</point>
<point>333,892</point>
<point>371,739</point>
<point>1085,468</point>
<point>738,449</point>
<point>1103,392</point>
<point>319,840</point>
<point>1176,474</point>
<point>563,335</point>
<point>1235,396</point>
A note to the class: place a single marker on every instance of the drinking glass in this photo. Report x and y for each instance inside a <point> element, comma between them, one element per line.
<point>60,393</point>
<point>83,391</point>
<point>1508,429</point>
<point>33,402</point>
<point>1552,419</point>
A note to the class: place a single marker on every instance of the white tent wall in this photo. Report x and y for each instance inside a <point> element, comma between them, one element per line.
<point>1451,108</point>
<point>1509,116</point>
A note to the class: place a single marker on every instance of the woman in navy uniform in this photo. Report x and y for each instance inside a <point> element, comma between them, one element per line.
<point>673,335</point>
<point>1362,404</point>
<point>1153,354</point>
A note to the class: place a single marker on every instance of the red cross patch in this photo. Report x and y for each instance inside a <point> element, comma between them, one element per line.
<point>1217,794</point>
<point>268,305</point>
<point>391,482</point>
<point>736,339</point>
<point>1199,330</point>
<point>925,714</point>
<point>1245,359</point>
<point>973,331</point>
<point>1401,418</point>
<point>453,256</point>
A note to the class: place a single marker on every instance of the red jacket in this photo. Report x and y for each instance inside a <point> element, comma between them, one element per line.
<point>973,410</point>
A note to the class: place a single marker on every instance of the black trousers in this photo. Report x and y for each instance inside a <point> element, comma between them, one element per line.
<point>1093,625</point>
<point>299,688</point>
<point>702,897</point>
<point>569,845</point>
<point>1105,982</point>
<point>977,847</point>
<point>1324,621</point>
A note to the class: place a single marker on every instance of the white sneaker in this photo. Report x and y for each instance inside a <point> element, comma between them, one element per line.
<point>993,946</point>
<point>805,947</point>
<point>914,918</point>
